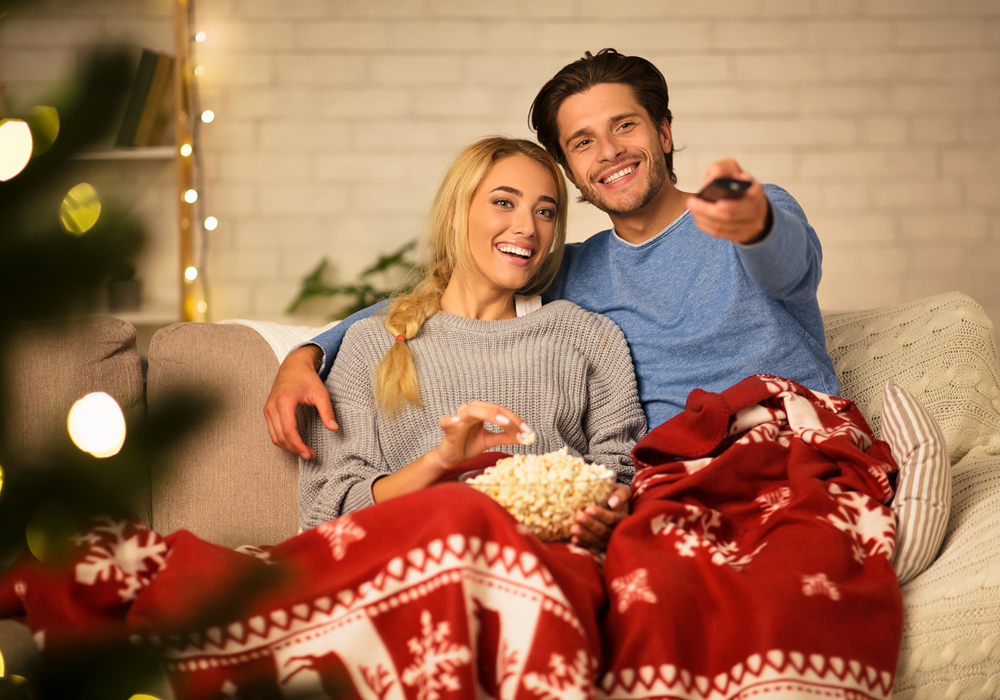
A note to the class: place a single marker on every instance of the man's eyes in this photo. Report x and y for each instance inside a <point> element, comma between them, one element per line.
<point>625,125</point>
<point>581,143</point>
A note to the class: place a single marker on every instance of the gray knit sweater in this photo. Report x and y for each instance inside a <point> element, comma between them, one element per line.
<point>566,371</point>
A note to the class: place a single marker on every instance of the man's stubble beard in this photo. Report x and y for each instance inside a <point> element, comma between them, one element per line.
<point>657,175</point>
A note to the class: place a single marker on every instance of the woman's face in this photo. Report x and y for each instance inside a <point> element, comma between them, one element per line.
<point>512,222</point>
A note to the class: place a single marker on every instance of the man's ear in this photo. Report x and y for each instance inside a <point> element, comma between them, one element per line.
<point>666,136</point>
<point>569,176</point>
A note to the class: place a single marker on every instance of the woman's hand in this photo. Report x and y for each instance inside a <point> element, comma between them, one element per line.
<point>465,436</point>
<point>465,433</point>
<point>594,524</point>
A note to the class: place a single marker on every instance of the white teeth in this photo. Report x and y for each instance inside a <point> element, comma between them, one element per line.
<point>509,248</point>
<point>619,175</point>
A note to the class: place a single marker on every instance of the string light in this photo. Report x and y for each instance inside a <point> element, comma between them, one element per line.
<point>199,37</point>
<point>96,424</point>
<point>211,223</point>
<point>191,274</point>
<point>15,147</point>
<point>190,196</point>
<point>186,150</point>
<point>199,70</point>
<point>207,116</point>
<point>202,307</point>
<point>80,209</point>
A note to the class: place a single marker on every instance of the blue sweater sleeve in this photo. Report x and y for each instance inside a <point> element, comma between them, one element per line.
<point>329,341</point>
<point>788,264</point>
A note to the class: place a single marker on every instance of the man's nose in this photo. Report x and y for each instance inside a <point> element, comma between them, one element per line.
<point>611,148</point>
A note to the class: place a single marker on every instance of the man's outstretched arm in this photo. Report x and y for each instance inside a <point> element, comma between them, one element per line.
<point>300,383</point>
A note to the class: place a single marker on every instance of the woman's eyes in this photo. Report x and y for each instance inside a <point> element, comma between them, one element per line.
<point>507,204</point>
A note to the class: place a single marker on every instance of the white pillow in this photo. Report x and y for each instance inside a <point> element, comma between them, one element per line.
<point>923,488</point>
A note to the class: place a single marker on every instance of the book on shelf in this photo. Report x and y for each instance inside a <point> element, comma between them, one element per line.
<point>150,102</point>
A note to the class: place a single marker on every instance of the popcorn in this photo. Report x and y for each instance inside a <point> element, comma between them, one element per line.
<point>545,492</point>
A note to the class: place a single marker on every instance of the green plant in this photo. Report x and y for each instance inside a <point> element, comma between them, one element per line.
<point>377,282</point>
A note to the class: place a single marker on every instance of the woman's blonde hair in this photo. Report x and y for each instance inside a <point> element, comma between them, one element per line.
<point>445,248</point>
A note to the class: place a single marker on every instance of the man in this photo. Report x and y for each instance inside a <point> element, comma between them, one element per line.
<point>706,293</point>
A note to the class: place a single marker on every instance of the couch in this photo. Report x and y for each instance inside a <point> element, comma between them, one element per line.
<point>228,484</point>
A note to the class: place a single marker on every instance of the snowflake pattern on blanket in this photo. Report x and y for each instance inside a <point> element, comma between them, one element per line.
<point>759,521</point>
<point>460,603</point>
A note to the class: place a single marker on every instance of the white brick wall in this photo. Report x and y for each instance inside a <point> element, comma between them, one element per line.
<point>336,118</point>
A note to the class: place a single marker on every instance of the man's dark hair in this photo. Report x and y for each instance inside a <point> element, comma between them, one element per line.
<point>608,66</point>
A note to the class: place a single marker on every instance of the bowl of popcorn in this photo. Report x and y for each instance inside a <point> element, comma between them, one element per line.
<point>544,492</point>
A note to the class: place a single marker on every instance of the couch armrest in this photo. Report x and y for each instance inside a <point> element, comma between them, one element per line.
<point>225,481</point>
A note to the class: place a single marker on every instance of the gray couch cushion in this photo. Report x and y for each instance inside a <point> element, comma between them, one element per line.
<point>52,365</point>
<point>225,481</point>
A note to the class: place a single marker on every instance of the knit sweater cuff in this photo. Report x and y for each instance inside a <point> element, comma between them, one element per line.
<point>360,495</point>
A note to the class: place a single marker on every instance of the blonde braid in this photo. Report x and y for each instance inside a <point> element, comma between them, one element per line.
<point>396,375</point>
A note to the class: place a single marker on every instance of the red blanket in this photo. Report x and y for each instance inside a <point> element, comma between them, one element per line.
<point>423,597</point>
<point>757,558</point>
<point>756,562</point>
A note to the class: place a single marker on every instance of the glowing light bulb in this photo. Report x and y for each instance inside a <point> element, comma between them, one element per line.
<point>96,424</point>
<point>199,37</point>
<point>2,669</point>
<point>186,150</point>
<point>199,70</point>
<point>202,307</point>
<point>207,116</point>
<point>15,147</point>
<point>191,274</point>
<point>190,196</point>
<point>1,488</point>
<point>80,209</point>
<point>211,223</point>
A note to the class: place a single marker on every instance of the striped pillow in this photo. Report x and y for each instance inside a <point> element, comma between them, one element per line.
<point>923,489</point>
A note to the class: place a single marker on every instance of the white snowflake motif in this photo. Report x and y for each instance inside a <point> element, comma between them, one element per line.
<point>773,500</point>
<point>632,588</point>
<point>695,532</point>
<point>566,682</point>
<point>339,533</point>
<point>113,557</point>
<point>820,585</point>
<point>435,659</point>
<point>869,524</point>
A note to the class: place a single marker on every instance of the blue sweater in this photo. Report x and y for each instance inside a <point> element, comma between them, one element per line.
<point>697,311</point>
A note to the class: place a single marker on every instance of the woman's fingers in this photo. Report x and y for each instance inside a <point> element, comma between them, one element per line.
<point>594,524</point>
<point>514,430</point>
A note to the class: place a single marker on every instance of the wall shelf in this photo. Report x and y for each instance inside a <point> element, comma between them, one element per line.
<point>150,153</point>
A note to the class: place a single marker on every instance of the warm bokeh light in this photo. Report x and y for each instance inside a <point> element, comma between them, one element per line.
<point>190,196</point>
<point>186,150</point>
<point>1,489</point>
<point>44,124</point>
<point>49,531</point>
<point>199,70</point>
<point>97,425</point>
<point>199,37</point>
<point>211,223</point>
<point>15,147</point>
<point>191,274</point>
<point>80,209</point>
<point>202,307</point>
<point>3,669</point>
<point>207,116</point>
<point>143,696</point>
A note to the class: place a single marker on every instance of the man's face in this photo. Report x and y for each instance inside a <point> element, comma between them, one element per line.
<point>614,150</point>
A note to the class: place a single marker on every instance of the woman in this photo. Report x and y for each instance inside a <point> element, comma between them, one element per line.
<point>561,374</point>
